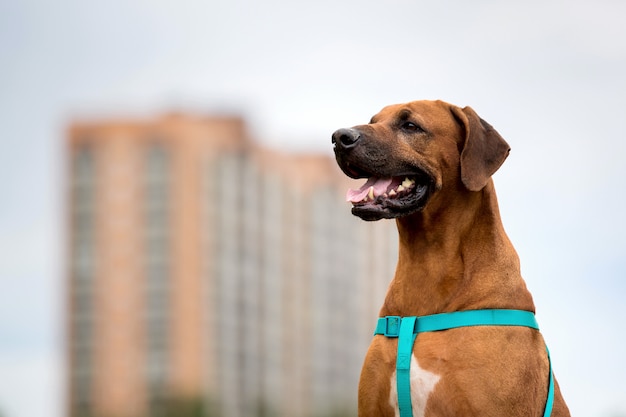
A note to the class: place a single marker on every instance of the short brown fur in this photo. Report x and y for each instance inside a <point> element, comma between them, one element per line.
<point>455,255</point>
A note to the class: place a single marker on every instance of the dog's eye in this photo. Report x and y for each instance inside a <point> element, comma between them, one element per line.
<point>411,127</point>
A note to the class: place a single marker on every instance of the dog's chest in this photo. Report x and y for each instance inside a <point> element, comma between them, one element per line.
<point>422,385</point>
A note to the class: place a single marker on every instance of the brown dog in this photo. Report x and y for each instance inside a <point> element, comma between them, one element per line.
<point>429,166</point>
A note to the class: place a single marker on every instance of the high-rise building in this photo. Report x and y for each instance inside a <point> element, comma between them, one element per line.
<point>210,276</point>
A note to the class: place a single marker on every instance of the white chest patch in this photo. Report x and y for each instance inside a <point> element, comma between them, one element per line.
<point>422,384</point>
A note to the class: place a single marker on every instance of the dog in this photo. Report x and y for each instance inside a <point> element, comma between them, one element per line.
<point>428,165</point>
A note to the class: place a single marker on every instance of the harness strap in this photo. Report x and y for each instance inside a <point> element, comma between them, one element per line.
<point>403,365</point>
<point>407,328</point>
<point>550,400</point>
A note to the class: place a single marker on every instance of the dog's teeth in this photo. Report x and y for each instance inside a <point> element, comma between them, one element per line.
<point>407,183</point>
<point>392,193</point>
<point>370,194</point>
<point>400,188</point>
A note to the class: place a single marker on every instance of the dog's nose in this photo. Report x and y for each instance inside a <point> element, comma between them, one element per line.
<point>346,137</point>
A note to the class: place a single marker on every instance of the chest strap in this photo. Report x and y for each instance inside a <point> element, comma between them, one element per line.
<point>406,330</point>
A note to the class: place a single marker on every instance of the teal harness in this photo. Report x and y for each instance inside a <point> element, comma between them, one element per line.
<point>406,330</point>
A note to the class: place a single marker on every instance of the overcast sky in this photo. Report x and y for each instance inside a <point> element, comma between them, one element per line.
<point>550,76</point>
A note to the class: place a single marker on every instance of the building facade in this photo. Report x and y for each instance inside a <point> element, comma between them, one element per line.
<point>210,276</point>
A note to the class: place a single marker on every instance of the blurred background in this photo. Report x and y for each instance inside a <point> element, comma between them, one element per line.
<point>173,239</point>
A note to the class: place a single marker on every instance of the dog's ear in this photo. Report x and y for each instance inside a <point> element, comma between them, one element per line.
<point>483,152</point>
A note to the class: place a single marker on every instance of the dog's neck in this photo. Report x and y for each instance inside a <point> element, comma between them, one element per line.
<point>434,274</point>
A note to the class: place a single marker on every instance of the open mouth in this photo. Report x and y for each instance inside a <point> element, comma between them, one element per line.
<point>385,198</point>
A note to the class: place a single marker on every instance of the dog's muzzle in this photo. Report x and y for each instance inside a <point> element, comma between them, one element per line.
<point>389,191</point>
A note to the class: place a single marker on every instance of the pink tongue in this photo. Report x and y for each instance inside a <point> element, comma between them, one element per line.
<point>380,187</point>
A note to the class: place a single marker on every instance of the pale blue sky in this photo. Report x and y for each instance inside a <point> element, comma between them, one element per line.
<point>549,75</point>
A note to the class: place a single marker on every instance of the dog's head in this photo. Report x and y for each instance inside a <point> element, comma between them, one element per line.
<point>409,152</point>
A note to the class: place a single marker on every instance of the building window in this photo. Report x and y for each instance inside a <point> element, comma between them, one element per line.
<point>82,273</point>
<point>157,270</point>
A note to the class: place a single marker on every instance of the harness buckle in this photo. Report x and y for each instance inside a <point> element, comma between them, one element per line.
<point>392,326</point>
